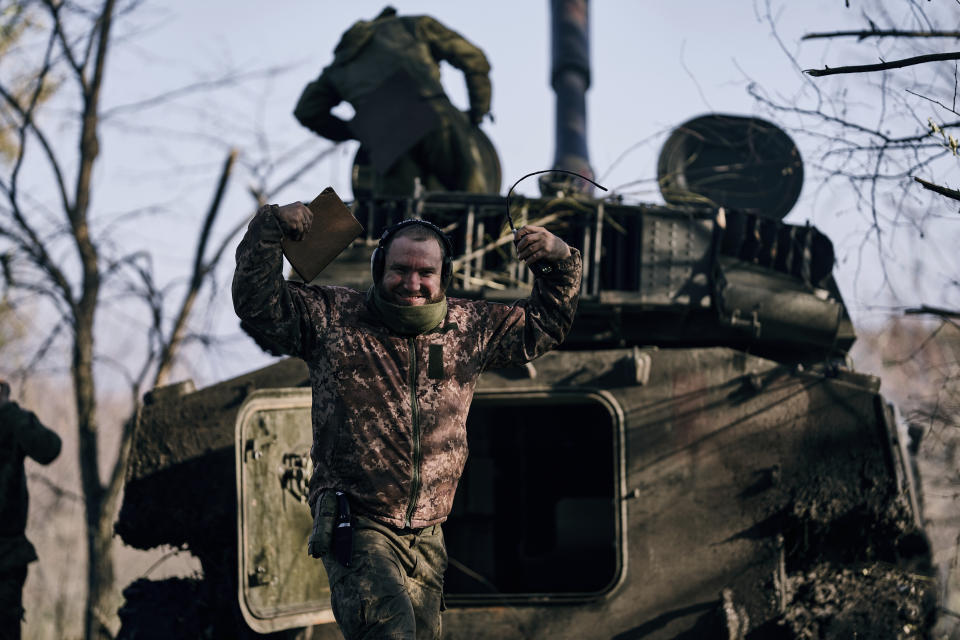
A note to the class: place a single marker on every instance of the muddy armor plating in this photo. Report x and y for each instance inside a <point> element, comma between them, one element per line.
<point>389,411</point>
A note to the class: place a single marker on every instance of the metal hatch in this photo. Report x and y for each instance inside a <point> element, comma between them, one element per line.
<point>280,585</point>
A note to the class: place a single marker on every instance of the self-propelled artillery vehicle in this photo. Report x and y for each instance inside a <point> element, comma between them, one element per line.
<point>698,460</point>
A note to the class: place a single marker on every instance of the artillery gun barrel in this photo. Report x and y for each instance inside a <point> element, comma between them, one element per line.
<point>570,79</point>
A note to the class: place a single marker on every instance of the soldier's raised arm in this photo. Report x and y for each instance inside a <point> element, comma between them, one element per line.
<point>272,310</point>
<point>447,44</point>
<point>314,107</point>
<point>530,327</point>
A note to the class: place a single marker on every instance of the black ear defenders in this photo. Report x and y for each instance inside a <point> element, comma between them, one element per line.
<point>380,253</point>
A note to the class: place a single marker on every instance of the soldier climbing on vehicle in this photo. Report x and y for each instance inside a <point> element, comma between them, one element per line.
<point>388,69</point>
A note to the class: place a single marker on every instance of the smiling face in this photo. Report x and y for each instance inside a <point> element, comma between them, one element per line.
<point>412,271</point>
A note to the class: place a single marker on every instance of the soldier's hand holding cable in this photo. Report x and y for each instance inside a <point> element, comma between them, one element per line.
<point>295,219</point>
<point>536,243</point>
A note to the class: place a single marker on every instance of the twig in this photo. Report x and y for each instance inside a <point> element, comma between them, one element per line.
<point>930,338</point>
<point>954,88</point>
<point>35,248</point>
<point>186,90</point>
<point>882,66</point>
<point>261,196</point>
<point>54,8</point>
<point>45,346</point>
<point>197,278</point>
<point>933,311</point>
<point>882,33</point>
<point>752,90</point>
<point>937,102</point>
<point>163,558</point>
<point>58,491</point>
<point>944,191</point>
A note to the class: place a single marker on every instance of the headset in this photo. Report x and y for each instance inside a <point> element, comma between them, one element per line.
<point>541,267</point>
<point>380,253</point>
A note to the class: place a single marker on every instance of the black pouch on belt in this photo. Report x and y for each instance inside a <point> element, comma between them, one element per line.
<point>324,519</point>
<point>342,542</point>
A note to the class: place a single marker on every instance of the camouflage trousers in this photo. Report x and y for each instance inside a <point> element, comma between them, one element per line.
<point>393,588</point>
<point>11,601</point>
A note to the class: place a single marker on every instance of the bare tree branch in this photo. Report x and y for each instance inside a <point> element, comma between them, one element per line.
<point>933,311</point>
<point>753,91</point>
<point>936,102</point>
<point>44,347</point>
<point>944,191</point>
<point>54,8</point>
<point>91,41</point>
<point>882,66</point>
<point>35,247</point>
<point>44,142</point>
<point>263,195</point>
<point>160,561</point>
<point>115,483</point>
<point>195,87</point>
<point>882,33</point>
<point>200,271</point>
<point>56,489</point>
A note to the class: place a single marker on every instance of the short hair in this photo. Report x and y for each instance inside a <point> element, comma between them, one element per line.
<point>4,387</point>
<point>418,230</point>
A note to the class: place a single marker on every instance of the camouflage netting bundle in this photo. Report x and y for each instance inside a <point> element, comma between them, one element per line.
<point>875,600</point>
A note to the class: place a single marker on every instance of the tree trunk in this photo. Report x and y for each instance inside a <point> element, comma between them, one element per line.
<point>100,577</point>
<point>100,564</point>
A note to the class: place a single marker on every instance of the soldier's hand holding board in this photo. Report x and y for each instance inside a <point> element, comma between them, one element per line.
<point>317,233</point>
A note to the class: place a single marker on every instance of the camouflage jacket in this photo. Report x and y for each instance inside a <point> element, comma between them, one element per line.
<point>370,52</point>
<point>21,435</point>
<point>389,412</point>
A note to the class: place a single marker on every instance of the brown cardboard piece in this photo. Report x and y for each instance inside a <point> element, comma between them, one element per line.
<point>332,231</point>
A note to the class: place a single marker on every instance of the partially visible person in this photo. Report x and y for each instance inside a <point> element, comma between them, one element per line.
<point>388,69</point>
<point>21,435</point>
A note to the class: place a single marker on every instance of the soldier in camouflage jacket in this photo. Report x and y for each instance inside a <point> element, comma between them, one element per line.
<point>390,399</point>
<point>388,69</point>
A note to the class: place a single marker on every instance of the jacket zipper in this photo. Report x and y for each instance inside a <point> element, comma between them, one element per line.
<point>415,415</point>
